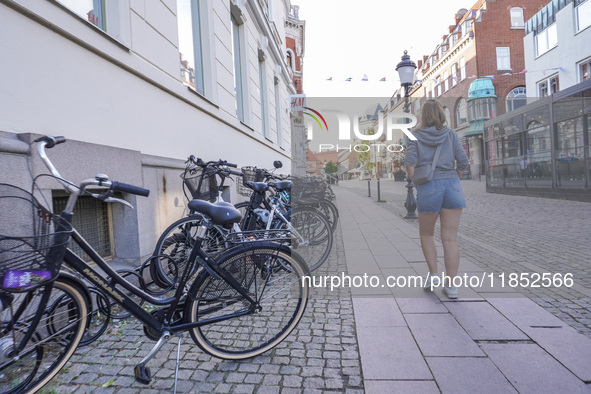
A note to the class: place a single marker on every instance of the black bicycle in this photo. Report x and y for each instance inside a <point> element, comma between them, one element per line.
<point>242,302</point>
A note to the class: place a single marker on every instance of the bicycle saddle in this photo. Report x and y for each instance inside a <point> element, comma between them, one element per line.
<point>219,213</point>
<point>257,186</point>
<point>283,185</point>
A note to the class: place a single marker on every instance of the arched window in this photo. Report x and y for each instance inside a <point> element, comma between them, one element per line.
<point>290,59</point>
<point>462,112</point>
<point>517,17</point>
<point>516,98</point>
<point>447,116</point>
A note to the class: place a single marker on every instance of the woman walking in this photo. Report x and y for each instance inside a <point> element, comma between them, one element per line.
<point>442,196</point>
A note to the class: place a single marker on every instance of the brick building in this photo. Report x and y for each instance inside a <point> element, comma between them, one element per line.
<point>475,70</point>
<point>294,43</point>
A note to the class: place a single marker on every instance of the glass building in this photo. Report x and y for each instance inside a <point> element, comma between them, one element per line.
<point>542,148</point>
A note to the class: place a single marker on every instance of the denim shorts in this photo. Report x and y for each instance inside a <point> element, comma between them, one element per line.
<point>440,193</point>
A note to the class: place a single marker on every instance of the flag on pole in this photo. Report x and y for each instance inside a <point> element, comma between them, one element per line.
<point>523,71</point>
<point>348,79</point>
<point>364,78</point>
<point>329,79</point>
<point>383,79</point>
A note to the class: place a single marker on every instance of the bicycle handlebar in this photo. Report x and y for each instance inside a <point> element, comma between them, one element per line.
<point>49,142</point>
<point>126,188</point>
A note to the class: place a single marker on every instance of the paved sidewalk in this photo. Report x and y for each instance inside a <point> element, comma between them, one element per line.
<point>490,339</point>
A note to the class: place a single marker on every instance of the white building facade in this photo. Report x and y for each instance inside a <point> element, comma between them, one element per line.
<point>137,86</point>
<point>556,47</point>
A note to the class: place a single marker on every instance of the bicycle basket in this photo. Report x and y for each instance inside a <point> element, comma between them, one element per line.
<point>32,241</point>
<point>251,174</point>
<point>202,183</point>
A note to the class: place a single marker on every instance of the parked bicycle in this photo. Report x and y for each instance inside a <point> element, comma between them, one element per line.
<point>243,302</point>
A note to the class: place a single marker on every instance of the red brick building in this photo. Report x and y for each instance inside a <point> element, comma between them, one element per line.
<point>294,42</point>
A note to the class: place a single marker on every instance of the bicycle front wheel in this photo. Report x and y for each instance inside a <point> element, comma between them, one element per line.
<point>238,329</point>
<point>53,341</point>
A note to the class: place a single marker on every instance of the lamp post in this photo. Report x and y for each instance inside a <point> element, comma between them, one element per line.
<point>406,72</point>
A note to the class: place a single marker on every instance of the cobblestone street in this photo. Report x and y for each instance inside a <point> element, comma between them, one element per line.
<point>503,233</point>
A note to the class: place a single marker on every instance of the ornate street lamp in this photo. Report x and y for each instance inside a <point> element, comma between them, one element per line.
<point>406,72</point>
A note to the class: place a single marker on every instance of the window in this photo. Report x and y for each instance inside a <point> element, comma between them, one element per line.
<point>454,75</point>
<point>92,220</point>
<point>468,25</point>
<point>290,59</point>
<point>462,69</point>
<point>517,18</point>
<point>546,40</point>
<point>585,70</point>
<point>503,58</point>
<point>482,108</point>
<point>445,81</point>
<point>190,48</point>
<point>462,112</point>
<point>278,113</point>
<point>516,98</point>
<point>583,11</point>
<point>438,86</point>
<point>236,54</point>
<point>548,86</point>
<point>447,116</point>
<point>263,95</point>
<point>104,14</point>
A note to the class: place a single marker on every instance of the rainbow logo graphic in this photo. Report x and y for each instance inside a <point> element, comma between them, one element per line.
<point>315,118</point>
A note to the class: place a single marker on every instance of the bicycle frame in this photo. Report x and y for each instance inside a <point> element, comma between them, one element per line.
<point>134,308</point>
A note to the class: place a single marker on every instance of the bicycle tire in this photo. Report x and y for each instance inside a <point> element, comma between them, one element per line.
<point>53,342</point>
<point>331,212</point>
<point>272,277</point>
<point>316,231</point>
<point>176,242</point>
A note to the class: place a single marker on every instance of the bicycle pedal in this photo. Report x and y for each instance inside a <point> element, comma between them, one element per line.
<point>142,374</point>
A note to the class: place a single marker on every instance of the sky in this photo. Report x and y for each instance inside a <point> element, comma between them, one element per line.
<point>351,38</point>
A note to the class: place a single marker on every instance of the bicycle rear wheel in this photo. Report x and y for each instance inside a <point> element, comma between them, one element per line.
<point>176,242</point>
<point>272,278</point>
<point>53,341</point>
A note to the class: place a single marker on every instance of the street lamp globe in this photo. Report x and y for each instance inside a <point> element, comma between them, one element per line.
<point>406,70</point>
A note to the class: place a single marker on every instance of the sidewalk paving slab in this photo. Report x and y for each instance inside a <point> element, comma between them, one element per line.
<point>532,370</point>
<point>483,322</point>
<point>401,386</point>
<point>440,335</point>
<point>377,312</point>
<point>390,353</point>
<point>468,375</point>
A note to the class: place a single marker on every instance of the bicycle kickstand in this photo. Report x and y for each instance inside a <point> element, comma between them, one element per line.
<point>178,356</point>
<point>142,373</point>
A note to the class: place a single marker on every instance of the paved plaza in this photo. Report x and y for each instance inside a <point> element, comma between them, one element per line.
<point>385,339</point>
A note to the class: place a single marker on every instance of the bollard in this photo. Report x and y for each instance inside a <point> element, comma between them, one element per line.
<point>479,175</point>
<point>411,202</point>
<point>369,188</point>
<point>379,199</point>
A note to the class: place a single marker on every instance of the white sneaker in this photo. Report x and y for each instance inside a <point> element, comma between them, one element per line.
<point>450,291</point>
<point>432,281</point>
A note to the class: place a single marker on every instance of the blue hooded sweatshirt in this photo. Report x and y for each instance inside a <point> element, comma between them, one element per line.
<point>422,151</point>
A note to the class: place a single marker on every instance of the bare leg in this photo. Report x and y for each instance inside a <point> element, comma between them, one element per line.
<point>426,230</point>
<point>450,221</point>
